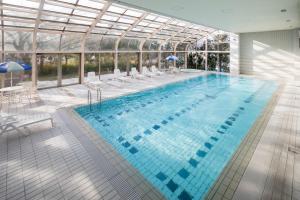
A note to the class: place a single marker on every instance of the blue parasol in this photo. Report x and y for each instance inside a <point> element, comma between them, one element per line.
<point>172,58</point>
<point>10,67</point>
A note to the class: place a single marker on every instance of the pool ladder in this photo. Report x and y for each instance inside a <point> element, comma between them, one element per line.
<point>90,99</point>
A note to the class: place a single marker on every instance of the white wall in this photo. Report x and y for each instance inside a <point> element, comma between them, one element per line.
<point>274,54</point>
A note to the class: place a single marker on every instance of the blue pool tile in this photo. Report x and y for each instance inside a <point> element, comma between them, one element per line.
<point>214,138</point>
<point>228,123</point>
<point>137,137</point>
<point>170,118</point>
<point>147,132</point>
<point>193,162</point>
<point>120,139</point>
<point>177,114</point>
<point>221,132</point>
<point>164,122</point>
<point>161,176</point>
<point>224,127</point>
<point>149,102</point>
<point>183,173</point>
<point>143,105</point>
<point>241,108</point>
<point>201,153</point>
<point>184,195</point>
<point>120,113</point>
<point>183,111</point>
<point>208,145</point>
<point>111,117</point>
<point>128,110</point>
<point>172,185</point>
<point>232,118</point>
<point>126,144</point>
<point>235,114</point>
<point>133,150</point>
<point>105,124</point>
<point>188,108</point>
<point>156,127</point>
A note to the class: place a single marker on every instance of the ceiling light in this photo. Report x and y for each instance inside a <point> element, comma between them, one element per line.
<point>288,20</point>
<point>283,10</point>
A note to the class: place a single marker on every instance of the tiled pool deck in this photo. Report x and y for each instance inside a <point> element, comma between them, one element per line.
<point>69,161</point>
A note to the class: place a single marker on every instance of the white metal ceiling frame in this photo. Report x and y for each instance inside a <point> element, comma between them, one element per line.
<point>101,11</point>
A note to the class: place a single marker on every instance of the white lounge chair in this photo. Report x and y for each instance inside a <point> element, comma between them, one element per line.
<point>146,72</point>
<point>174,70</point>
<point>118,76</point>
<point>93,81</point>
<point>156,71</point>
<point>9,123</point>
<point>135,74</point>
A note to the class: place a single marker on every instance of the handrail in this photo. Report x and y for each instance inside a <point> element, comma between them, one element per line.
<point>99,96</point>
<point>90,99</point>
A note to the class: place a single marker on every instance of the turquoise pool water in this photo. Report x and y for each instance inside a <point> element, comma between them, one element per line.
<point>181,136</point>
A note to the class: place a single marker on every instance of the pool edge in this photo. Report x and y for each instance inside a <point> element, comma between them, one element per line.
<point>226,184</point>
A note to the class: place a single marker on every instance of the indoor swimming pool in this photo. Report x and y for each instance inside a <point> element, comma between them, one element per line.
<point>181,136</point>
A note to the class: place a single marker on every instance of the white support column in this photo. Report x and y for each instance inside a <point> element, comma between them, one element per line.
<point>116,59</point>
<point>34,72</point>
<point>140,61</point>
<point>82,61</point>
<point>159,59</point>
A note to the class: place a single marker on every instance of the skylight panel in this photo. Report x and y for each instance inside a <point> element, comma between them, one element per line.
<point>126,20</point>
<point>143,23</point>
<point>19,13</point>
<point>23,3</point>
<point>78,21</point>
<point>19,24</point>
<point>85,13</point>
<point>91,4</point>
<point>104,25</point>
<point>150,17</point>
<point>109,18</point>
<point>137,29</point>
<point>114,33</point>
<point>57,8</point>
<point>55,18</point>
<point>154,25</point>
<point>121,27</point>
<point>69,1</point>
<point>116,9</point>
<point>133,13</point>
<point>161,19</point>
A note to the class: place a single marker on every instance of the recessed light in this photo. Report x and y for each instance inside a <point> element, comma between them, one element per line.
<point>288,20</point>
<point>283,10</point>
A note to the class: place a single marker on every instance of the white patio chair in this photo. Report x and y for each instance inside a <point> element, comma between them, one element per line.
<point>146,72</point>
<point>118,76</point>
<point>156,71</point>
<point>93,81</point>
<point>135,74</point>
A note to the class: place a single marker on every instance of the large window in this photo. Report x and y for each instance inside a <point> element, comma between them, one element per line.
<point>212,62</point>
<point>224,60</point>
<point>127,61</point>
<point>70,68</point>
<point>196,60</point>
<point>47,70</point>
<point>150,58</point>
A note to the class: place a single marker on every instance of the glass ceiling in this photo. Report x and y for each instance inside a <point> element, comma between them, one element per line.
<point>96,17</point>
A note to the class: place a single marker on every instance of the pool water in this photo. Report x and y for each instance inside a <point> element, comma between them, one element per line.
<point>181,136</point>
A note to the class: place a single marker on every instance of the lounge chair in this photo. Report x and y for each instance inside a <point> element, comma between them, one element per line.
<point>93,81</point>
<point>156,71</point>
<point>118,76</point>
<point>12,122</point>
<point>135,74</point>
<point>174,70</point>
<point>146,72</point>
